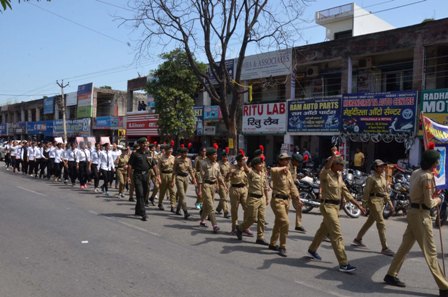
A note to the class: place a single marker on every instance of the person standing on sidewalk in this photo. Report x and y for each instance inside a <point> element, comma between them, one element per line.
<point>423,197</point>
<point>256,201</point>
<point>333,190</point>
<point>283,189</point>
<point>376,194</point>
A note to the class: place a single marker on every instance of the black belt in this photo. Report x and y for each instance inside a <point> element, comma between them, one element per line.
<point>140,172</point>
<point>378,195</point>
<point>255,195</point>
<point>209,182</point>
<point>281,196</point>
<point>334,202</point>
<point>418,205</point>
<point>182,174</point>
<point>238,185</point>
<point>168,171</point>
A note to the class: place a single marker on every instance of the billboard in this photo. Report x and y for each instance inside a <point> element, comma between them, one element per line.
<point>49,105</point>
<point>269,118</point>
<point>321,115</point>
<point>268,64</point>
<point>106,122</point>
<point>85,98</point>
<point>379,113</point>
<point>71,99</point>
<point>212,113</point>
<point>79,127</point>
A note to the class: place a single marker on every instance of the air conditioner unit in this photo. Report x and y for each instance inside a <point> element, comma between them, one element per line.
<point>312,71</point>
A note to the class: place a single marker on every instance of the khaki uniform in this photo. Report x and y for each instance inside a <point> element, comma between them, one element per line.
<point>237,193</point>
<point>376,195</point>
<point>293,170</point>
<point>182,168</point>
<point>122,172</point>
<point>224,193</point>
<point>256,202</point>
<point>210,174</point>
<point>283,189</point>
<point>166,165</point>
<point>333,188</point>
<point>197,169</point>
<point>419,227</point>
<point>153,177</point>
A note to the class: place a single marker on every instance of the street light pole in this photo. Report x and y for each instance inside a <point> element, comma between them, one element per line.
<point>62,106</point>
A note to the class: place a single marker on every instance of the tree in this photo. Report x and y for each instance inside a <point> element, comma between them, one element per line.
<point>7,3</point>
<point>211,28</point>
<point>173,87</point>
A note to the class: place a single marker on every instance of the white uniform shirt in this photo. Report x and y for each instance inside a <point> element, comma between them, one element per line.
<point>52,152</point>
<point>13,151</point>
<point>106,160</point>
<point>116,154</point>
<point>94,156</point>
<point>59,155</point>
<point>70,155</point>
<point>39,152</point>
<point>18,152</point>
<point>30,153</point>
<point>82,155</point>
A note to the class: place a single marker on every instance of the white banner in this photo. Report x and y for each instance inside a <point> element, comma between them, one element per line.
<point>269,118</point>
<point>265,65</point>
<point>71,99</point>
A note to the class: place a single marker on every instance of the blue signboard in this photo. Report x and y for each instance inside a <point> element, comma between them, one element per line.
<point>3,129</point>
<point>374,113</point>
<point>49,105</point>
<point>40,128</point>
<point>314,115</point>
<point>212,113</point>
<point>106,122</point>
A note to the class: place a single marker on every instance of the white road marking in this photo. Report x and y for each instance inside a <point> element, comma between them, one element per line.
<point>31,191</point>
<point>315,288</point>
<point>93,212</point>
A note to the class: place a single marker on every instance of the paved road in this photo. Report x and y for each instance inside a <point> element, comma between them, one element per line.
<point>60,241</point>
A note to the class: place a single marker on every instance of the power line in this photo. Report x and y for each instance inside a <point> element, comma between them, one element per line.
<point>114,5</point>
<point>81,25</point>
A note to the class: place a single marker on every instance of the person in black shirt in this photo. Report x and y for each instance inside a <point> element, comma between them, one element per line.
<point>138,167</point>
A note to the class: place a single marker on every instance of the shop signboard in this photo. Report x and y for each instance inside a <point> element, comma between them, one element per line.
<point>434,105</point>
<point>49,105</point>
<point>210,130</point>
<point>20,128</point>
<point>79,127</point>
<point>85,100</point>
<point>3,129</point>
<point>267,64</point>
<point>106,123</point>
<point>198,113</point>
<point>71,99</point>
<point>40,128</point>
<point>379,113</point>
<point>212,113</point>
<point>138,124</point>
<point>268,118</point>
<point>316,115</point>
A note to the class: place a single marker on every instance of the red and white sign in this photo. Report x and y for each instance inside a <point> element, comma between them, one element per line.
<point>139,124</point>
<point>269,118</point>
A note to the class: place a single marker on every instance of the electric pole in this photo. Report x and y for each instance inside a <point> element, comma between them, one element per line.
<point>62,106</point>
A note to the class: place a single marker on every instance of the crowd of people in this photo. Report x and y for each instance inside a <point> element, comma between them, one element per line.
<point>248,185</point>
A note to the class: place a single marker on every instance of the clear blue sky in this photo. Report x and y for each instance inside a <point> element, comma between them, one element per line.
<point>81,41</point>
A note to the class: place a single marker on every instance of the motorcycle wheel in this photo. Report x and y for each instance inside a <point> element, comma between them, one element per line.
<point>386,211</point>
<point>307,196</point>
<point>351,210</point>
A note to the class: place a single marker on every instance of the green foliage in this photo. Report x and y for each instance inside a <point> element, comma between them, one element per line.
<point>7,3</point>
<point>106,87</point>
<point>173,87</point>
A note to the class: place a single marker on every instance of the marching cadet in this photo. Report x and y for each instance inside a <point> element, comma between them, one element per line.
<point>376,194</point>
<point>12,150</point>
<point>256,201</point>
<point>211,176</point>
<point>71,162</point>
<point>238,189</point>
<point>130,178</point>
<point>166,164</point>
<point>51,158</point>
<point>333,190</point>
<point>107,167</point>
<point>283,189</point>
<point>182,168</point>
<point>83,165</point>
<point>296,159</point>
<point>197,167</point>
<point>423,197</point>
<point>31,153</point>
<point>152,177</point>
<point>38,153</point>
<point>224,166</point>
<point>95,167</point>
<point>58,156</point>
<point>122,172</point>
<point>138,166</point>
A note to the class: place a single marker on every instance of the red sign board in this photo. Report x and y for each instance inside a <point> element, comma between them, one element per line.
<point>142,124</point>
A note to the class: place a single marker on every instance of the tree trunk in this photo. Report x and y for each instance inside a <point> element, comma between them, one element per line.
<point>232,130</point>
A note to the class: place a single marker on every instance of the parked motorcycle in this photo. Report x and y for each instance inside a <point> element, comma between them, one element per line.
<point>355,181</point>
<point>309,188</point>
<point>399,195</point>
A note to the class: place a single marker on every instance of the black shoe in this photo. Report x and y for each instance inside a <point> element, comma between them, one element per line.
<point>172,210</point>
<point>301,229</point>
<point>216,229</point>
<point>273,247</point>
<point>146,204</point>
<point>261,241</point>
<point>161,207</point>
<point>282,252</point>
<point>218,212</point>
<point>144,218</point>
<point>239,233</point>
<point>227,216</point>
<point>152,201</point>
<point>204,225</point>
<point>178,212</point>
<point>186,215</point>
<point>393,281</point>
<point>131,199</point>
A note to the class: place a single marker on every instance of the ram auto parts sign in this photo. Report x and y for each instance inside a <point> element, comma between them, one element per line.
<point>269,118</point>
